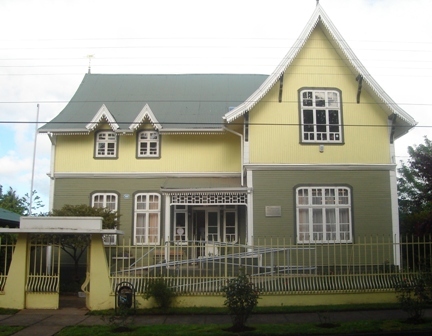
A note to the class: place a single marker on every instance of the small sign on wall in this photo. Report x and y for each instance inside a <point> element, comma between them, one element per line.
<point>273,211</point>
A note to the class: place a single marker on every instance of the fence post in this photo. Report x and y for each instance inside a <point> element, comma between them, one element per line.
<point>99,297</point>
<point>14,290</point>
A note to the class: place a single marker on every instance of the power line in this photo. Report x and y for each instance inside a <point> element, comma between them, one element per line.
<point>128,123</point>
<point>190,101</point>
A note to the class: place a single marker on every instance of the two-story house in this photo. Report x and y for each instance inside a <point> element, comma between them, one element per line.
<point>306,153</point>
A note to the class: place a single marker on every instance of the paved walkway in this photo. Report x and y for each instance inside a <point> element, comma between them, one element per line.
<point>49,322</point>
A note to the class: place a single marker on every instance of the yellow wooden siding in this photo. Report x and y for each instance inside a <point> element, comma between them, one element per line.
<point>179,153</point>
<point>275,132</point>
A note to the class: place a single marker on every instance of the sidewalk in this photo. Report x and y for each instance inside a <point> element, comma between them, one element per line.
<point>49,322</point>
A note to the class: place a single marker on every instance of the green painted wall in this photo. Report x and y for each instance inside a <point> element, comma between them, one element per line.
<point>371,203</point>
<point>78,191</point>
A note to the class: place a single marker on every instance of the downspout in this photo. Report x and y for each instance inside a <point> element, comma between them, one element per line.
<point>241,151</point>
<point>249,226</point>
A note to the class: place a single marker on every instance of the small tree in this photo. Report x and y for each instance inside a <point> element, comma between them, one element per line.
<point>415,190</point>
<point>76,245</point>
<point>241,298</point>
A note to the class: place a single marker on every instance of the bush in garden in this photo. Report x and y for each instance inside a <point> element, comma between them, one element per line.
<point>161,292</point>
<point>241,298</point>
<point>414,295</point>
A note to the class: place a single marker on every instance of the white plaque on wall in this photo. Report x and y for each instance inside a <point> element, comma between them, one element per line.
<point>273,211</point>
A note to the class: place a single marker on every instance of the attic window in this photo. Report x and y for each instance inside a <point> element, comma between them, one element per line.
<point>148,144</point>
<point>320,116</point>
<point>106,145</point>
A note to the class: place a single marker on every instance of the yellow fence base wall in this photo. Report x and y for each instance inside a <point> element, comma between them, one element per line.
<point>327,299</point>
<point>42,300</point>
<point>280,300</point>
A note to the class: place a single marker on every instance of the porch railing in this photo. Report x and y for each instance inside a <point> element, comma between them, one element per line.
<point>277,265</point>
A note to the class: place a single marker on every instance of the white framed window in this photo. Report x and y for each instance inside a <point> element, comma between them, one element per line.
<point>320,116</point>
<point>109,201</point>
<point>148,144</point>
<point>106,144</point>
<point>230,224</point>
<point>323,215</point>
<point>180,223</point>
<point>147,218</point>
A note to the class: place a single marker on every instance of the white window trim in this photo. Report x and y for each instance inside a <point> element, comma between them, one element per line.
<point>107,239</point>
<point>148,141</point>
<point>337,106</point>
<point>106,142</point>
<point>310,206</point>
<point>147,211</point>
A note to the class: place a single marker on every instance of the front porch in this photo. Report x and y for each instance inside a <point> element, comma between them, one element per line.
<point>206,209</point>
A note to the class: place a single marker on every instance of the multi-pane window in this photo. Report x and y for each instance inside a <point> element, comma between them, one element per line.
<point>108,201</point>
<point>321,116</point>
<point>147,219</point>
<point>106,144</point>
<point>324,215</point>
<point>148,144</point>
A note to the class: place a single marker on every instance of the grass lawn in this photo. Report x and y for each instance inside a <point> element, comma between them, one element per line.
<point>7,330</point>
<point>343,328</point>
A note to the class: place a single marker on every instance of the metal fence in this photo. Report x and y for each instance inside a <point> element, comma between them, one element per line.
<point>43,268</point>
<point>7,246</point>
<point>277,265</point>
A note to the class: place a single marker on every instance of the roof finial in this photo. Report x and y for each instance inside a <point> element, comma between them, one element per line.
<point>317,2</point>
<point>89,66</point>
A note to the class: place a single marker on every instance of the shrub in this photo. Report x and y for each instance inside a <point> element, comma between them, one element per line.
<point>161,292</point>
<point>241,298</point>
<point>414,295</point>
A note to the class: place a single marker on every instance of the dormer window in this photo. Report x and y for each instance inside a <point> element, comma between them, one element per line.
<point>320,116</point>
<point>106,144</point>
<point>148,144</point>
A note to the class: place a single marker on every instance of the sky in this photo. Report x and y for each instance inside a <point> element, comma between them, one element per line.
<point>46,47</point>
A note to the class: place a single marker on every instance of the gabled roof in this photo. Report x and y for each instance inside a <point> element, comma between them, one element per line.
<point>319,17</point>
<point>172,103</point>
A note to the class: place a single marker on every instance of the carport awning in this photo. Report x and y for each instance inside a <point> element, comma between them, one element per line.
<point>205,190</point>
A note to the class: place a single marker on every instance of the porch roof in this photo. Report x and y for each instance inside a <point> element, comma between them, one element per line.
<point>203,185</point>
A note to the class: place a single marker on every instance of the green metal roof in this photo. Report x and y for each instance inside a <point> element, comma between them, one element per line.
<point>9,218</point>
<point>194,101</point>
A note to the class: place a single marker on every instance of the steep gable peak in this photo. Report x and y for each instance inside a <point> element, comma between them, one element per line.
<point>102,115</point>
<point>145,114</point>
<point>319,17</point>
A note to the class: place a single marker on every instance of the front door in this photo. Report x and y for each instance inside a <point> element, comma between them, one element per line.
<point>206,224</point>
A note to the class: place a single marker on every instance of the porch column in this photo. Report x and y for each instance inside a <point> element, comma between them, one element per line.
<point>167,225</point>
<point>249,207</point>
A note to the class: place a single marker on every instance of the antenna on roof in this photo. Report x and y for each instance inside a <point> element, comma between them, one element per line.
<point>89,66</point>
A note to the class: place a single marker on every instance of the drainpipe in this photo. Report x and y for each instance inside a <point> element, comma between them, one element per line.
<point>241,149</point>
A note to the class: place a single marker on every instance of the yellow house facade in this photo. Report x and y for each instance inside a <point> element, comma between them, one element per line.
<point>306,152</point>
